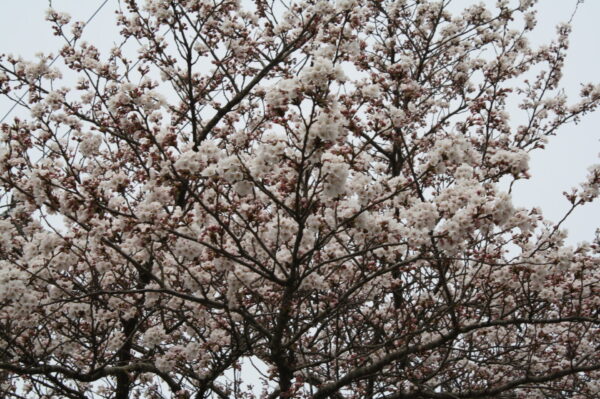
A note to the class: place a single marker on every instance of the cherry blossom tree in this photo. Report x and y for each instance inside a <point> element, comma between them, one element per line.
<point>319,188</point>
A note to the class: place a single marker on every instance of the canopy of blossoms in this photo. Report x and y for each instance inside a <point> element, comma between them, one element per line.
<point>321,187</point>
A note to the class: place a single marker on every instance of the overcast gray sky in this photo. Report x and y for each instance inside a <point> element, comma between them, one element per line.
<point>561,166</point>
